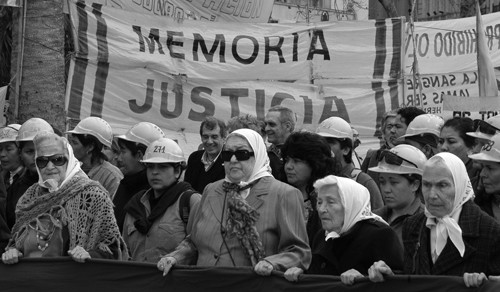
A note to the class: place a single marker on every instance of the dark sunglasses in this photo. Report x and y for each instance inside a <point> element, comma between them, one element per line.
<point>241,155</point>
<point>393,159</point>
<point>485,127</point>
<point>57,160</point>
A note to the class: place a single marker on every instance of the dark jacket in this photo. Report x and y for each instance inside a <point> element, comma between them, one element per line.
<point>485,201</point>
<point>4,229</point>
<point>481,235</point>
<point>129,186</point>
<point>16,190</point>
<point>196,174</point>
<point>366,242</point>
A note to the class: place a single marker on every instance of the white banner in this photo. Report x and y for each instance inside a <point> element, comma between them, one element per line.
<point>361,49</point>
<point>130,95</point>
<point>449,46</point>
<point>207,10</point>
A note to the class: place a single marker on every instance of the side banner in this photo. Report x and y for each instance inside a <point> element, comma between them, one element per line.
<point>124,96</point>
<point>223,11</point>
<point>62,275</point>
<point>218,51</point>
<point>449,46</point>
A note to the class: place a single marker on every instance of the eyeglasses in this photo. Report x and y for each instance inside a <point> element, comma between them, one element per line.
<point>241,155</point>
<point>485,127</point>
<point>392,158</point>
<point>57,160</point>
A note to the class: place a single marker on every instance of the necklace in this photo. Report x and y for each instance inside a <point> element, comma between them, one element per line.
<point>43,237</point>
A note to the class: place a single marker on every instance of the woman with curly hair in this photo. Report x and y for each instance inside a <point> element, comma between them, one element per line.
<point>307,158</point>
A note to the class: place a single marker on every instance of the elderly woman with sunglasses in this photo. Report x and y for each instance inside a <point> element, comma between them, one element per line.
<point>453,236</point>
<point>353,237</point>
<point>400,178</point>
<point>65,213</point>
<point>247,219</point>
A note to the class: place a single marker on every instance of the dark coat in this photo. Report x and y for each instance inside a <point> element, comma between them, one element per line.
<point>366,242</point>
<point>129,186</point>
<point>196,174</point>
<point>481,235</point>
<point>15,192</point>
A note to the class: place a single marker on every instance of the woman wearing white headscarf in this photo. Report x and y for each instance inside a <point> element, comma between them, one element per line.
<point>353,236</point>
<point>453,237</point>
<point>66,213</point>
<point>247,219</point>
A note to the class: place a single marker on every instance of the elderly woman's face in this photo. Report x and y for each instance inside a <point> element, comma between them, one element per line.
<point>55,152</point>
<point>330,208</point>
<point>237,171</point>
<point>438,188</point>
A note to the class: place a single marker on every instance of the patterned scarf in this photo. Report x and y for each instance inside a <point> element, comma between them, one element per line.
<point>241,221</point>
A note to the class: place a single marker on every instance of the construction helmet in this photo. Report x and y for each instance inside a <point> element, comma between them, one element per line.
<point>164,150</point>
<point>96,127</point>
<point>143,133</point>
<point>424,124</point>
<point>486,129</point>
<point>401,159</point>
<point>31,128</point>
<point>9,133</point>
<point>335,127</point>
<point>490,151</point>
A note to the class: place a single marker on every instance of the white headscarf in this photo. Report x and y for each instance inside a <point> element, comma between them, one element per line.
<point>356,201</point>
<point>72,168</point>
<point>261,167</point>
<point>445,227</point>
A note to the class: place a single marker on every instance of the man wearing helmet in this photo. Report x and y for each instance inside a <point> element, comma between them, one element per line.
<point>88,139</point>
<point>206,166</point>
<point>156,218</point>
<point>338,133</point>
<point>133,145</point>
<point>423,133</point>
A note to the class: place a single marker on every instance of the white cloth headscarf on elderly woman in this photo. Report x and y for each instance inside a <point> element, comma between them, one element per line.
<point>73,165</point>
<point>261,167</point>
<point>356,201</point>
<point>447,226</point>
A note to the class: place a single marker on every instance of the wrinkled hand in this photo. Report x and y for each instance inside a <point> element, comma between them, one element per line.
<point>293,274</point>
<point>474,279</point>
<point>11,256</point>
<point>349,276</point>
<point>263,268</point>
<point>79,254</point>
<point>165,264</point>
<point>378,270</point>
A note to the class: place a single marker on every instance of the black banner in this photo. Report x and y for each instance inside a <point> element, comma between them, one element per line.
<point>63,275</point>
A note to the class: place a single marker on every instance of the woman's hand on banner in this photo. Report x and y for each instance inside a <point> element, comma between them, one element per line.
<point>11,256</point>
<point>165,264</point>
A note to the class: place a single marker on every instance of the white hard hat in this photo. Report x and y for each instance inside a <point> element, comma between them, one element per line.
<point>486,129</point>
<point>164,150</point>
<point>401,159</point>
<point>424,124</point>
<point>335,127</point>
<point>31,128</point>
<point>96,127</point>
<point>490,151</point>
<point>144,133</point>
<point>9,133</point>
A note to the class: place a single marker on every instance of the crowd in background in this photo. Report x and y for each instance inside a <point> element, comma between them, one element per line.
<point>260,193</point>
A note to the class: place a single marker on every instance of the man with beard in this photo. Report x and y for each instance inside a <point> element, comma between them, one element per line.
<point>338,133</point>
<point>280,123</point>
<point>206,166</point>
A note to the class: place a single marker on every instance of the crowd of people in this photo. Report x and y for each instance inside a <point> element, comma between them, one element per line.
<point>262,194</point>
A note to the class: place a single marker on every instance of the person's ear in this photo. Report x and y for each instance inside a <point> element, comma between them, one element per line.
<point>139,155</point>
<point>427,150</point>
<point>414,186</point>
